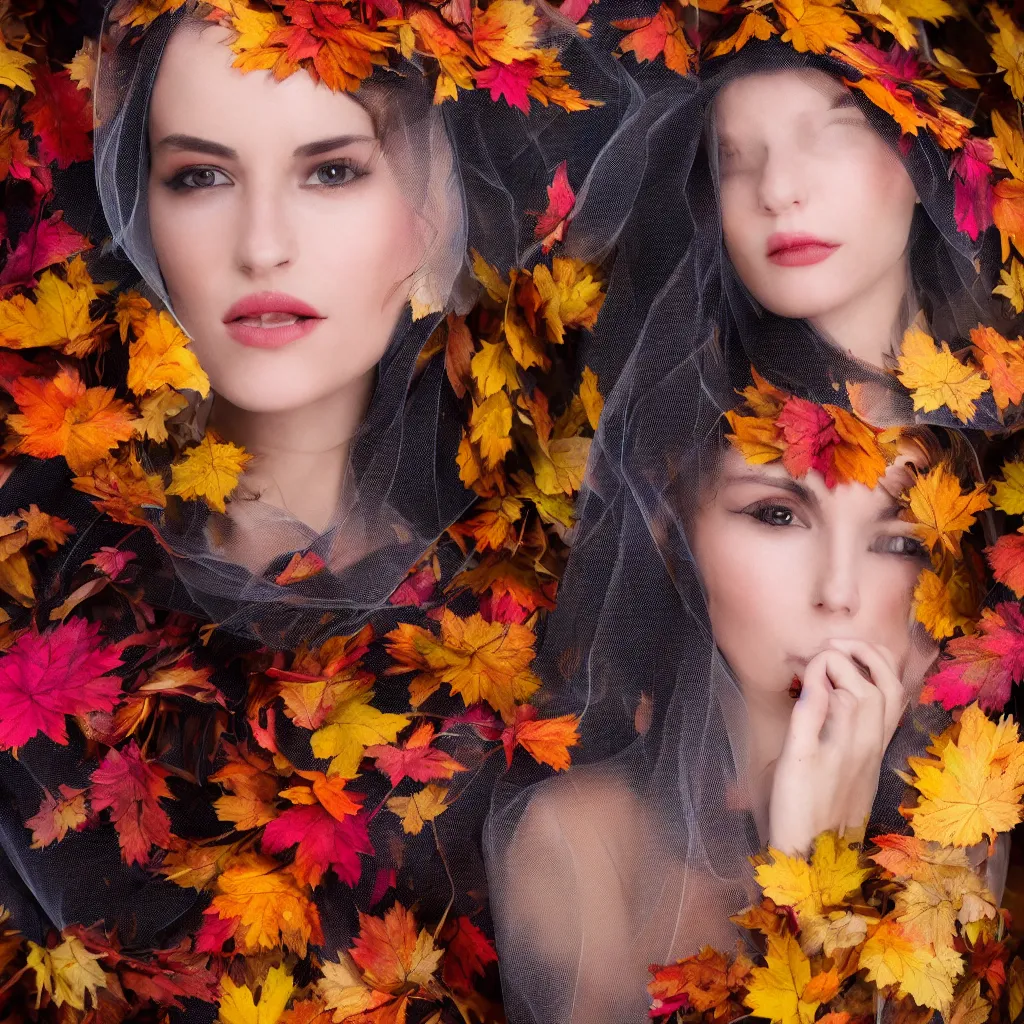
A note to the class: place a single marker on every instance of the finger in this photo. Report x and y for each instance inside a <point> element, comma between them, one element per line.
<point>881,663</point>
<point>845,675</point>
<point>811,708</point>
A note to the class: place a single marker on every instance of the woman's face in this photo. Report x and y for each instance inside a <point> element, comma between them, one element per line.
<point>790,565</point>
<point>284,240</point>
<point>816,207</point>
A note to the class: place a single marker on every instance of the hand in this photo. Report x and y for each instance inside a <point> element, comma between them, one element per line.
<point>826,777</point>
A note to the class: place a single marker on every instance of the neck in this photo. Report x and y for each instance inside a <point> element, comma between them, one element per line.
<point>301,454</point>
<point>768,715</point>
<point>870,326</point>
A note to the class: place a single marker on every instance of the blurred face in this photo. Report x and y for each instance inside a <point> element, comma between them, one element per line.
<point>790,565</point>
<point>284,240</point>
<point>816,207</point>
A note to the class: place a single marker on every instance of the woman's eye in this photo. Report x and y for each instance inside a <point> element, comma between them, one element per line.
<point>198,178</point>
<point>906,547</point>
<point>333,174</point>
<point>773,515</point>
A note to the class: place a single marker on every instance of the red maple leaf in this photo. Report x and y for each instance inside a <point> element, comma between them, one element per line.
<point>811,438</point>
<point>131,788</point>
<point>484,722</point>
<point>45,243</point>
<point>44,677</point>
<point>1006,557</point>
<point>416,590</point>
<point>984,665</point>
<point>553,222</point>
<point>417,760</point>
<point>215,931</point>
<point>972,186</point>
<point>469,953</point>
<point>546,740</point>
<point>324,843</point>
<point>61,116</point>
<point>511,81</point>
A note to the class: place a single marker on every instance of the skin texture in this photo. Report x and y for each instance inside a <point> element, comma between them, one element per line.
<point>816,584</point>
<point>331,228</point>
<point>797,156</point>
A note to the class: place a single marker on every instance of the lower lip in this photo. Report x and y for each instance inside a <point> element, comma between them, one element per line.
<point>271,337</point>
<point>802,255</point>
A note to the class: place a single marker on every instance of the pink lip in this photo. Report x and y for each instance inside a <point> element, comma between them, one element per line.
<point>253,306</point>
<point>798,250</point>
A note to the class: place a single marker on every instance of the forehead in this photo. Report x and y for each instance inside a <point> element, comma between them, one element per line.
<point>199,92</point>
<point>763,100</point>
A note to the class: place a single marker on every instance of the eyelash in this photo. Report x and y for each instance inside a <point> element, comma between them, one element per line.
<point>178,181</point>
<point>912,547</point>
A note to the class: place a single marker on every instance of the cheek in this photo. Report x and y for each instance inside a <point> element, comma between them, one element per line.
<point>740,232</point>
<point>875,198</point>
<point>887,601</point>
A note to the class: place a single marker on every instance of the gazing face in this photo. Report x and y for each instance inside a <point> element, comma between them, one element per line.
<point>816,207</point>
<point>790,565</point>
<point>283,237</point>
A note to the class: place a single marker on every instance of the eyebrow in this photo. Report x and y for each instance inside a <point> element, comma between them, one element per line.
<point>194,144</point>
<point>770,480</point>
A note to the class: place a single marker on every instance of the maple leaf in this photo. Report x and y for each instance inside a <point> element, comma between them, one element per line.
<point>937,378</point>
<point>44,677</point>
<point>344,991</point>
<point>46,242</point>
<point>67,972</point>
<point>140,13</point>
<point>238,1005</point>
<point>706,982</point>
<point>546,740</point>
<point>423,806</point>
<point>775,991</point>
<point>1008,214</point>
<point>416,759</point>
<point>209,471</point>
<point>56,817</point>
<point>123,489</point>
<point>331,794</point>
<point>895,955</point>
<point>942,512</point>
<point>1008,50</point>
<point>553,222</point>
<point>469,951</point>
<point>251,789</point>
<point>590,396</point>
<point>946,602</point>
<point>392,954</point>
<point>63,417</point>
<point>510,82</point>
<point>982,666</point>
<point>572,293</point>
<point>160,355</point>
<point>301,566</point>
<point>504,31</point>
<point>59,314</point>
<point>352,725</point>
<point>490,424</point>
<point>1003,362</point>
<point>1011,285</point>
<point>972,184</point>
<point>323,843</point>
<point>658,35</point>
<point>155,410</point>
<point>971,785</point>
<point>1006,557</point>
<point>131,787</point>
<point>265,907</point>
<point>479,660</point>
<point>61,116</point>
<point>1008,493</point>
<point>833,873</point>
<point>815,25</point>
<point>12,69</point>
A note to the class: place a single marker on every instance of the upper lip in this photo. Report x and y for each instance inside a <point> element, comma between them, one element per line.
<point>781,241</point>
<point>270,302</point>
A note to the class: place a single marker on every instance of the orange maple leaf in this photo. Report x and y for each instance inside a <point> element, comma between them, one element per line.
<point>661,34</point>
<point>392,954</point>
<point>63,417</point>
<point>941,510</point>
<point>1003,362</point>
<point>123,489</point>
<point>546,740</point>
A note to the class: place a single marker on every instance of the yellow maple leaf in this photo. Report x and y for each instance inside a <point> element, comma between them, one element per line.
<point>947,602</point>
<point>489,277</point>
<point>504,31</point>
<point>774,991</point>
<point>832,874</point>
<point>58,314</point>
<point>490,426</point>
<point>160,355</point>
<point>591,397</point>
<point>753,26</point>
<point>815,25</point>
<point>423,806</point>
<point>144,12</point>
<point>894,955</point>
<point>352,726</point>
<point>210,471</point>
<point>239,1006</point>
<point>67,972</point>
<point>344,991</point>
<point>479,660</point>
<point>83,66</point>
<point>936,377</point>
<point>12,69</point>
<point>1008,50</point>
<point>494,369</point>
<point>270,908</point>
<point>572,293</point>
<point>1008,493</point>
<point>971,784</point>
<point>155,410</point>
<point>1011,285</point>
<point>941,511</point>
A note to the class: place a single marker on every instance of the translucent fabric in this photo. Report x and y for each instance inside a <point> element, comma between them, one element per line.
<point>640,853</point>
<point>473,171</point>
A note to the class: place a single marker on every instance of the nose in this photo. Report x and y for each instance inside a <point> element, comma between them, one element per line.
<point>781,184</point>
<point>837,577</point>
<point>265,239</point>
